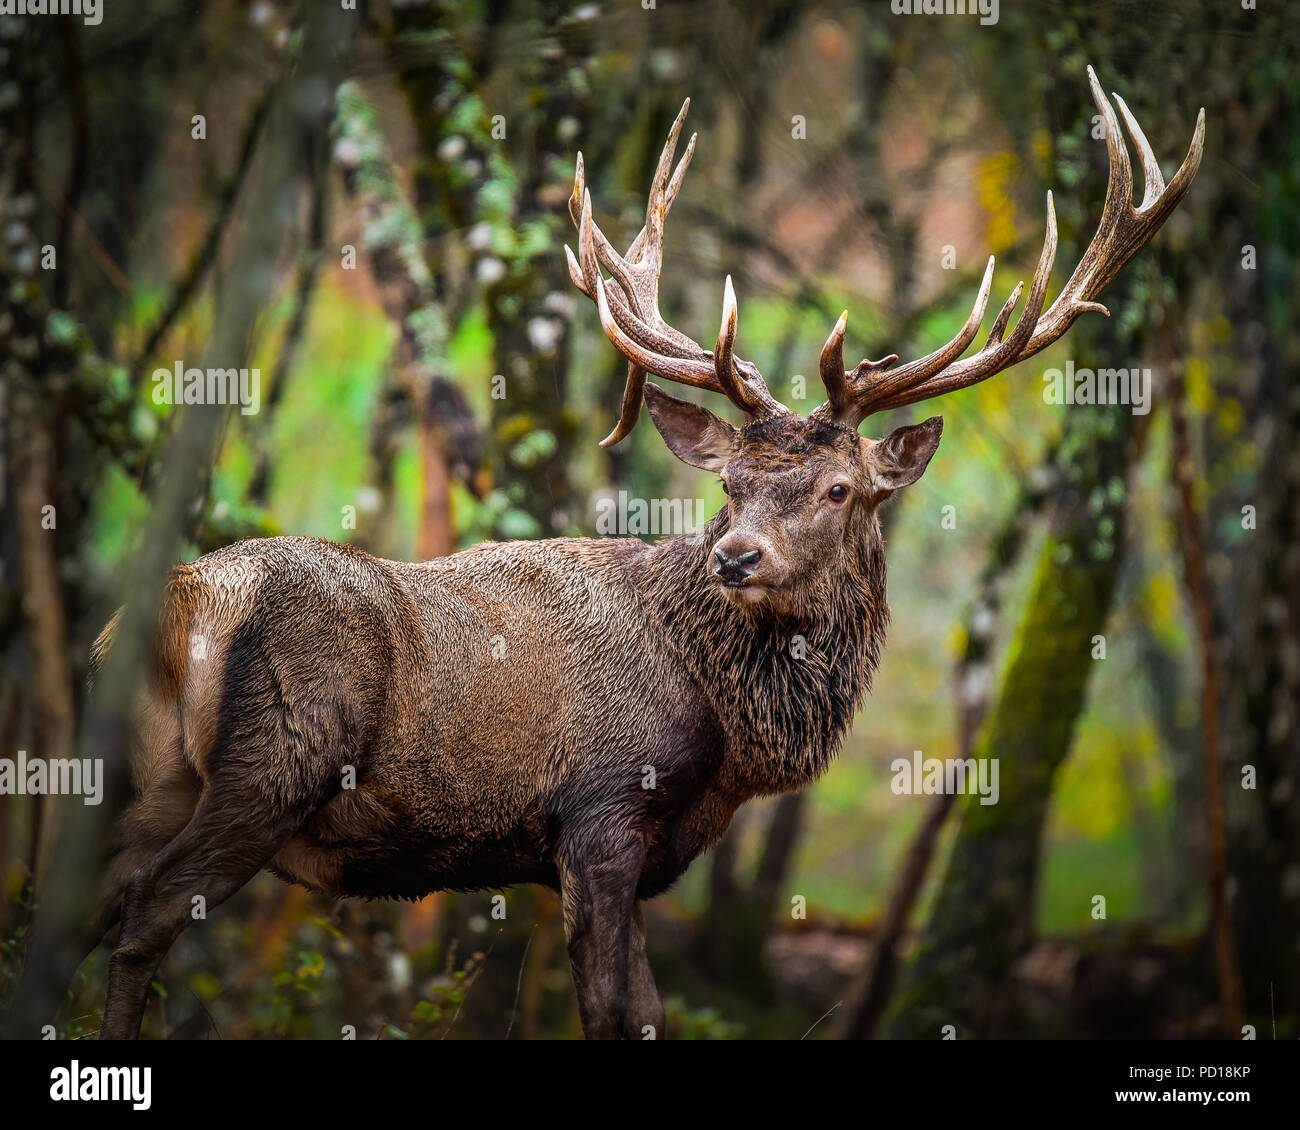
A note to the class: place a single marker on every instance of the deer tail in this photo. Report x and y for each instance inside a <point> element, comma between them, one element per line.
<point>169,651</point>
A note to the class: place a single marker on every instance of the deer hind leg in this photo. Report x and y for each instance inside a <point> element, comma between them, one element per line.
<point>226,842</point>
<point>165,807</point>
<point>168,790</point>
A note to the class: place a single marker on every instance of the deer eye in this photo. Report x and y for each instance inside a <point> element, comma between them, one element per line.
<point>838,493</point>
<point>725,490</point>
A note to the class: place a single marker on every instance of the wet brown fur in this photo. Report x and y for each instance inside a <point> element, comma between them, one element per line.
<point>500,713</point>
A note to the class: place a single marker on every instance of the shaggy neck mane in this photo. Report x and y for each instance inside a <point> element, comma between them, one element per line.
<point>785,705</point>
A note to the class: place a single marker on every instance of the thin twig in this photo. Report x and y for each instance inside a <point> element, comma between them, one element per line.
<point>206,1013</point>
<point>519,984</point>
<point>823,1016</point>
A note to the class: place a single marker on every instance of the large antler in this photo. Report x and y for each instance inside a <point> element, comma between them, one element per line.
<point>1121,234</point>
<point>629,302</point>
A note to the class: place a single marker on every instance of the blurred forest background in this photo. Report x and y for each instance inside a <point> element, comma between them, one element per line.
<point>371,210</point>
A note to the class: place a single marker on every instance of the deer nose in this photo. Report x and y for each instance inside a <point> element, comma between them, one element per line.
<point>735,570</point>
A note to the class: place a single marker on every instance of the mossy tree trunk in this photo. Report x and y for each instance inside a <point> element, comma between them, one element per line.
<point>983,917</point>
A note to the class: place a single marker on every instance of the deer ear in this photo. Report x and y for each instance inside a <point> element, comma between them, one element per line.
<point>694,434</point>
<point>902,456</point>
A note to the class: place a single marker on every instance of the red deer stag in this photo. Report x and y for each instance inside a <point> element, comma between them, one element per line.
<point>586,714</point>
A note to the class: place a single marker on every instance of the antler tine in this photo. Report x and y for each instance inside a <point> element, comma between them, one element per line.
<point>832,367</point>
<point>651,239</point>
<point>630,409</point>
<point>1004,315</point>
<point>916,371</point>
<point>675,185</point>
<point>1009,350</point>
<point>724,357</point>
<point>629,303</point>
<point>1153,181</point>
<point>1119,178</point>
<point>1121,233</point>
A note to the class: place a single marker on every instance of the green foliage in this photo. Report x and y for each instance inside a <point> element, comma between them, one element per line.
<point>687,1023</point>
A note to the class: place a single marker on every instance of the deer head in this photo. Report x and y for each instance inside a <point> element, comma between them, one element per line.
<point>802,491</point>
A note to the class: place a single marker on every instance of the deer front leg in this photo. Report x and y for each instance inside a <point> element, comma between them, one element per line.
<point>598,898</point>
<point>644,1008</point>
